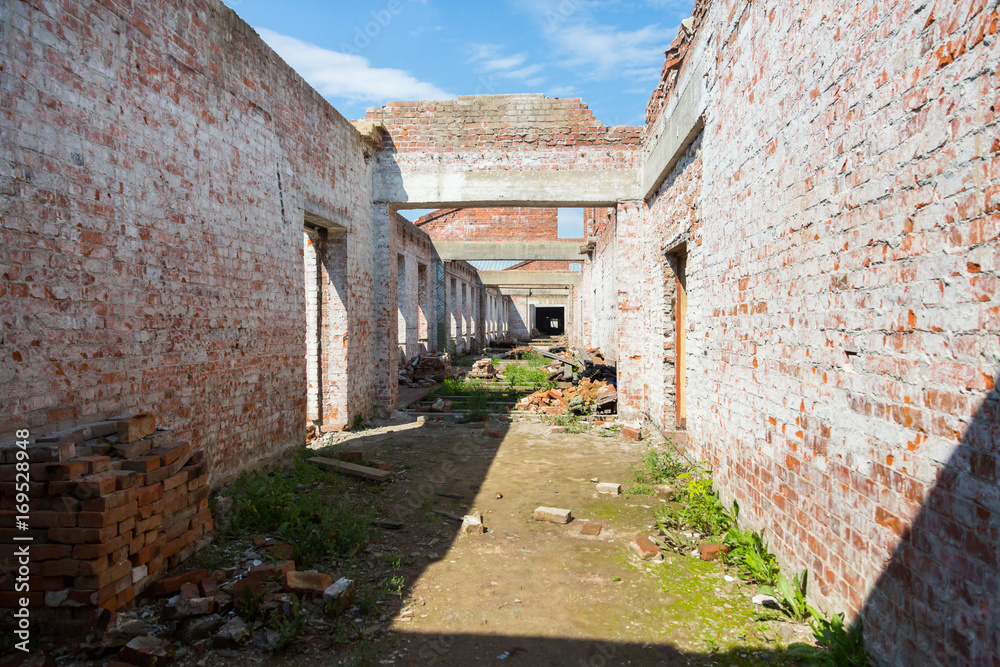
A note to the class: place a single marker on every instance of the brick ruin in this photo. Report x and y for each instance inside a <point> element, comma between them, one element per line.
<point>796,263</point>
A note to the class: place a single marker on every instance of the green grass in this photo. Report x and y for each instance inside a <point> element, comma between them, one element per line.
<point>313,510</point>
<point>698,507</point>
<point>659,466</point>
<point>531,372</point>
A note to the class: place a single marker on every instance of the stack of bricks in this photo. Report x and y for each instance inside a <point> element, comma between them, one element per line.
<point>112,506</point>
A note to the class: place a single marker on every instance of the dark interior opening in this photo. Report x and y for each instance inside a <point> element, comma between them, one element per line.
<point>550,320</point>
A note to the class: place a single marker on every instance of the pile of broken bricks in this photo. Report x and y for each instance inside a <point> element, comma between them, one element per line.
<point>201,611</point>
<point>587,397</point>
<point>425,370</point>
<point>483,369</point>
<point>112,505</point>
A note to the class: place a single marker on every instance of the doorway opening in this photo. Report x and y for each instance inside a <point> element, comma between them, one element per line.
<point>550,320</point>
<point>675,284</point>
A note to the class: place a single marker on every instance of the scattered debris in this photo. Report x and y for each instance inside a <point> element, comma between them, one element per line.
<point>609,488</point>
<point>552,515</point>
<point>591,528</point>
<point>646,550</point>
<point>365,472</point>
<point>448,515</point>
<point>583,398</point>
<point>339,596</point>
<point>766,601</point>
<point>425,370</point>
<point>387,523</point>
<point>483,369</point>
<point>472,524</point>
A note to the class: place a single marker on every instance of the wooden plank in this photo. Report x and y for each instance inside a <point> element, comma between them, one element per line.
<point>353,469</point>
<point>583,355</point>
<point>571,362</point>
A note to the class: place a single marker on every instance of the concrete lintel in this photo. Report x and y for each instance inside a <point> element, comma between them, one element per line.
<point>541,290</point>
<point>457,189</point>
<point>318,214</point>
<point>508,250</point>
<point>529,277</point>
<point>678,126</point>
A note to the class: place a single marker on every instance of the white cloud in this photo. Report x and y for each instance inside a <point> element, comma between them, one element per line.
<point>491,60</point>
<point>605,51</point>
<point>349,77</point>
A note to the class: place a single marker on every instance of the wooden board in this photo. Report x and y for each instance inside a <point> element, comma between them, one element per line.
<point>354,469</point>
<point>571,362</point>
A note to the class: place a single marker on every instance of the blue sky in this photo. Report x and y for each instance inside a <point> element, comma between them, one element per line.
<point>363,54</point>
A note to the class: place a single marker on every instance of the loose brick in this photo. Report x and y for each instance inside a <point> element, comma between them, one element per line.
<point>135,428</point>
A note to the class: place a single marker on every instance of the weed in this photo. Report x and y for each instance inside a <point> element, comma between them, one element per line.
<point>699,508</point>
<point>530,373</point>
<point>837,646</point>
<point>288,627</point>
<point>749,553</point>
<point>659,465</point>
<point>250,604</point>
<point>395,585</point>
<point>367,601</point>
<point>572,423</point>
<point>359,423</point>
<point>616,578</point>
<point>364,654</point>
<point>791,595</point>
<point>308,507</point>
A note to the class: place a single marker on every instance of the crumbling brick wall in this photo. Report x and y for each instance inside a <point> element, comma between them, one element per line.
<point>513,223</point>
<point>450,134</point>
<point>152,196</point>
<point>842,305</point>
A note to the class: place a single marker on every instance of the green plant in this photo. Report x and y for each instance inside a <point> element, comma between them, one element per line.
<point>308,507</point>
<point>250,602</point>
<point>359,423</point>
<point>659,466</point>
<point>287,626</point>
<point>367,601</point>
<point>698,507</point>
<point>791,596</point>
<point>837,646</point>
<point>749,553</point>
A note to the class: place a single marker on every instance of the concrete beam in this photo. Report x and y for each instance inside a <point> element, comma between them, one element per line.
<point>529,277</point>
<point>508,250</point>
<point>679,124</point>
<point>406,188</point>
<point>535,291</point>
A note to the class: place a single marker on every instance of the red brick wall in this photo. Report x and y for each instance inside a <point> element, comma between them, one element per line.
<point>842,342</point>
<point>512,223</point>
<point>156,159</point>
<point>508,122</point>
<point>541,265</point>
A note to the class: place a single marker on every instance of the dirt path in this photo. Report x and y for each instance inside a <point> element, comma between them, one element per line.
<point>536,593</point>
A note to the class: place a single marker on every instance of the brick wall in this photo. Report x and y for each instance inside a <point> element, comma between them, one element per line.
<point>513,223</point>
<point>522,132</point>
<point>417,326</point>
<point>156,163</point>
<point>841,224</point>
<point>543,265</point>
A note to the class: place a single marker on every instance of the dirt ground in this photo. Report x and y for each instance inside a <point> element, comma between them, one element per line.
<point>524,592</point>
<point>537,593</point>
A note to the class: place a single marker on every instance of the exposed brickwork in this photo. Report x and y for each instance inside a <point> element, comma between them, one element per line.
<point>512,223</point>
<point>543,265</point>
<point>507,122</point>
<point>842,322</point>
<point>109,515</point>
<point>152,196</point>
